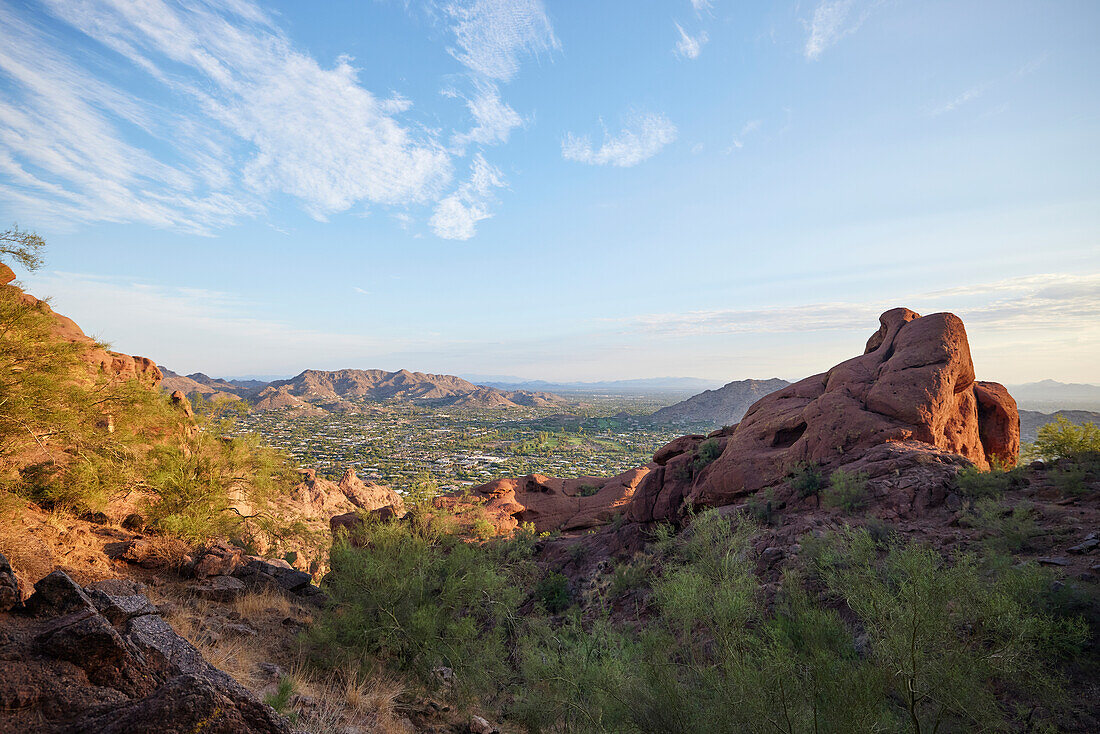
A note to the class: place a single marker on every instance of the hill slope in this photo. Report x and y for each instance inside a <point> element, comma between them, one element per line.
<point>721,407</point>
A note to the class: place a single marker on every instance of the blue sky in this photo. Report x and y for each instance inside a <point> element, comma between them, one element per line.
<point>559,190</point>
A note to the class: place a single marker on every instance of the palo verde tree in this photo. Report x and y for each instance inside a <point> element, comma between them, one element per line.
<point>22,247</point>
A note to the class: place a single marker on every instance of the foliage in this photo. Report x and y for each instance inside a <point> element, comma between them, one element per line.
<point>847,491</point>
<point>553,592</point>
<point>708,451</point>
<point>762,507</point>
<point>1070,480</point>
<point>1061,439</point>
<point>21,246</point>
<point>419,599</point>
<point>944,635</point>
<point>974,483</point>
<point>587,490</point>
<point>1006,529</point>
<point>934,645</point>
<point>806,479</point>
<point>629,576</point>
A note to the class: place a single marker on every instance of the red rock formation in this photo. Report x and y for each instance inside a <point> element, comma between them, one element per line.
<point>322,498</point>
<point>114,364</point>
<point>909,405</point>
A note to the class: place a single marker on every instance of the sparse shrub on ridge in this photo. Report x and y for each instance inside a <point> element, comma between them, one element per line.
<point>806,479</point>
<point>846,491</point>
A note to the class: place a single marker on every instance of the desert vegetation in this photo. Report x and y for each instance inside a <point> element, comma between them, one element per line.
<point>860,635</point>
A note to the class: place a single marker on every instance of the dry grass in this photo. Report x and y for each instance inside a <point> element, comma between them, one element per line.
<point>257,605</point>
<point>167,552</point>
<point>346,697</point>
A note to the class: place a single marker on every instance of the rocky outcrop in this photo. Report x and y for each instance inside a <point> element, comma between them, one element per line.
<point>914,382</point>
<point>113,364</point>
<point>101,659</point>
<point>908,413</point>
<point>318,497</point>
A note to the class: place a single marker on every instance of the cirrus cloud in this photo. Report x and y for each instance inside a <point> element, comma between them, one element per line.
<point>641,138</point>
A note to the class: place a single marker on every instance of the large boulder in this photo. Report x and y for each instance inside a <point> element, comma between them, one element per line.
<point>914,382</point>
<point>102,659</point>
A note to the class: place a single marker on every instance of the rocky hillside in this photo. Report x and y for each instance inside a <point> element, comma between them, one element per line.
<point>314,391</point>
<point>721,407</point>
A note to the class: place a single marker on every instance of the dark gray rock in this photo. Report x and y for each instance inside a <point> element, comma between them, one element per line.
<point>10,595</point>
<point>220,588</point>
<point>57,594</point>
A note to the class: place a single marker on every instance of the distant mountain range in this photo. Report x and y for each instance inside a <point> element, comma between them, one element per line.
<point>644,386</point>
<point>1049,395</point>
<point>316,391</point>
<point>722,407</point>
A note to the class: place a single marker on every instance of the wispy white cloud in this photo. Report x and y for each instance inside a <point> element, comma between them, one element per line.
<point>236,112</point>
<point>494,119</point>
<point>1057,300</point>
<point>641,138</point>
<point>833,20</point>
<point>456,216</point>
<point>689,47</point>
<point>701,5</point>
<point>491,36</point>
<point>747,129</point>
<point>967,96</point>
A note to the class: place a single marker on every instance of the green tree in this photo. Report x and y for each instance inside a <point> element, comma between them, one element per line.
<point>23,247</point>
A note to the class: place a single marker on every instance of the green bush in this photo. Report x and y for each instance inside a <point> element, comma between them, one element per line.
<point>806,479</point>
<point>1063,440</point>
<point>629,576</point>
<point>1005,529</point>
<point>553,592</point>
<point>1070,480</point>
<point>708,451</point>
<point>762,507</point>
<point>974,483</point>
<point>946,638</point>
<point>421,600</point>
<point>847,491</point>
<point>587,490</point>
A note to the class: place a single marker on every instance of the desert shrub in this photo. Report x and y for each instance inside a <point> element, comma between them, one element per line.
<point>629,576</point>
<point>847,491</point>
<point>1063,440</point>
<point>762,507</point>
<point>708,451</point>
<point>553,592</point>
<point>1005,529</point>
<point>1070,480</point>
<point>946,637</point>
<point>421,600</point>
<point>974,483</point>
<point>806,479</point>
<point>587,490</point>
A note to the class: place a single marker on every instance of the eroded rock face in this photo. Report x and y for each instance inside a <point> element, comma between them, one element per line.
<point>320,497</point>
<point>907,412</point>
<point>549,503</point>
<point>102,659</point>
<point>915,382</point>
